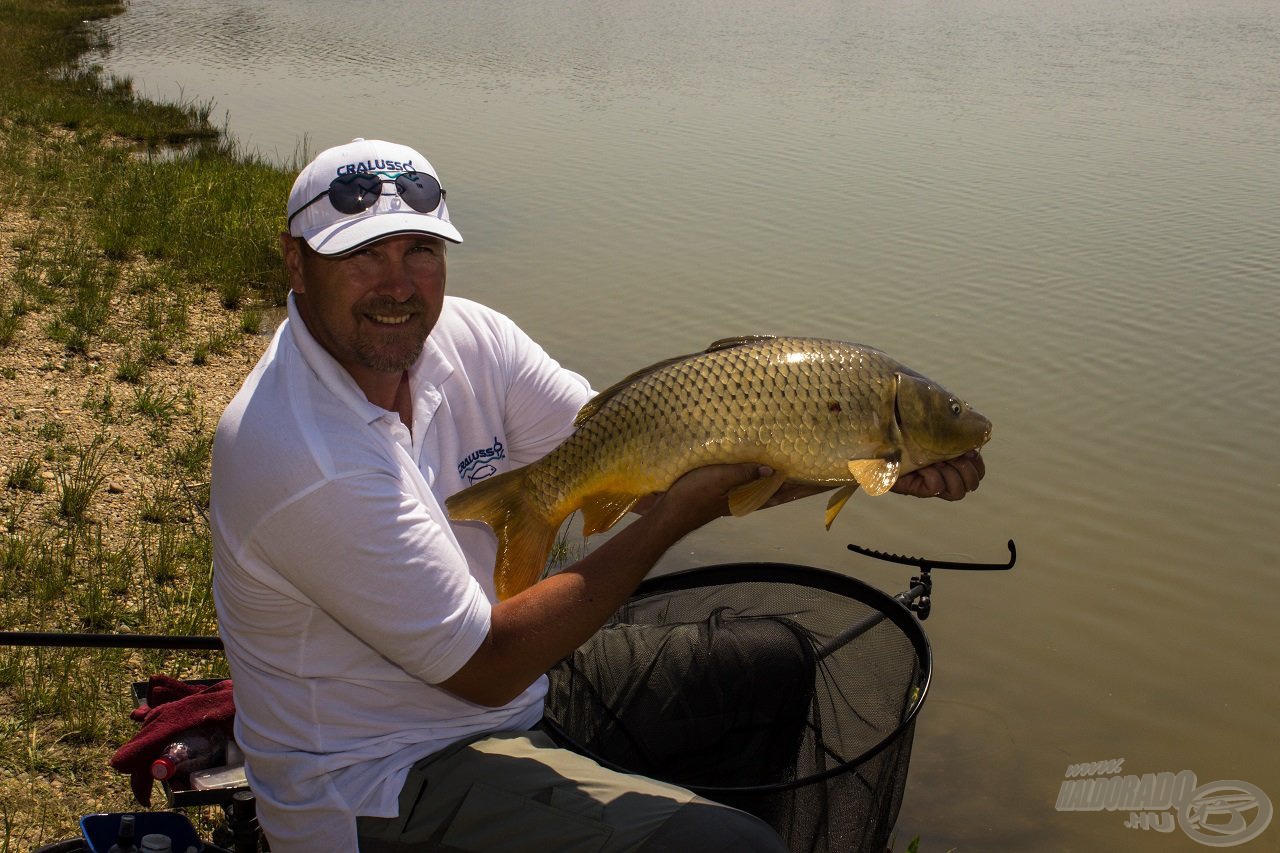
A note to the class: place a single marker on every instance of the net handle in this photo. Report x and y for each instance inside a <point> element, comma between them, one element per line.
<point>920,587</point>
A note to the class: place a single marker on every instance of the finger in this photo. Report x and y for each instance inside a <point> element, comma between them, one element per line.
<point>953,483</point>
<point>925,483</point>
<point>979,464</point>
<point>906,484</point>
<point>933,482</point>
<point>969,473</point>
<point>972,466</point>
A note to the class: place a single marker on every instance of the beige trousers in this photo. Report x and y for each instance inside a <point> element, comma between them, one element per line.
<point>518,791</point>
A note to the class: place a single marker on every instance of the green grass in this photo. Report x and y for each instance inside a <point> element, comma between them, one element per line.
<point>78,483</point>
<point>10,321</point>
<point>136,217</point>
<point>191,454</point>
<point>25,475</point>
<point>46,82</point>
<point>154,403</point>
<point>131,369</point>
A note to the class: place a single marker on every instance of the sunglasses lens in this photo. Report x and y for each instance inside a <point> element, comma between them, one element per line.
<point>354,193</point>
<point>419,190</point>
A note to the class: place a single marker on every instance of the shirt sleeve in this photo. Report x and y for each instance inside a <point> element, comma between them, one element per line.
<point>542,398</point>
<point>384,566</point>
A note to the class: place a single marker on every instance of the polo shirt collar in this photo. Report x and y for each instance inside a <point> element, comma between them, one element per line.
<point>431,368</point>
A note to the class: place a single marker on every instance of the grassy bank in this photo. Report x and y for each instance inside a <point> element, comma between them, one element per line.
<point>137,262</point>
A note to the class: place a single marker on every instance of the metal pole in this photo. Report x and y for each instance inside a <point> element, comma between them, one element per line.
<point>857,629</point>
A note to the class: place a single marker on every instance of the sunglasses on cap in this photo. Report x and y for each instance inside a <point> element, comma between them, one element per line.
<point>360,191</point>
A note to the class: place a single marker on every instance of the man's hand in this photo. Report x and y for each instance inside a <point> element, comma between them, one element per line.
<point>712,476</point>
<point>950,480</point>
<point>702,494</point>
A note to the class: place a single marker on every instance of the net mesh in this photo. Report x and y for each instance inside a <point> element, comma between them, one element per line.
<point>742,683</point>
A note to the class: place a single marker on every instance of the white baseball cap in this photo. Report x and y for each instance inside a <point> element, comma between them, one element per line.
<point>353,194</point>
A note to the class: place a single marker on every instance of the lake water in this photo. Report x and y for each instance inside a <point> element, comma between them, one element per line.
<point>1068,213</point>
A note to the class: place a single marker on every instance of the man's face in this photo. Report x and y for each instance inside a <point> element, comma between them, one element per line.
<point>372,309</point>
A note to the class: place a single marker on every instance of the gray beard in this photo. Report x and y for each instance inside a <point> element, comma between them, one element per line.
<point>375,358</point>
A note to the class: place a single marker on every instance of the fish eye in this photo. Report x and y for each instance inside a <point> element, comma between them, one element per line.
<point>956,408</point>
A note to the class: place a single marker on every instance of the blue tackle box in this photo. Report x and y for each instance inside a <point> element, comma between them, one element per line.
<point>100,830</point>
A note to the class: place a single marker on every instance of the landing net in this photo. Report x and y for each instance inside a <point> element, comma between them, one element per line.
<point>742,683</point>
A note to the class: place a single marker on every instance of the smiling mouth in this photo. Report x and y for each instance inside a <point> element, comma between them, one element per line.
<point>390,319</point>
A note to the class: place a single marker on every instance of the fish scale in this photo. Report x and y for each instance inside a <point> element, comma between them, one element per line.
<point>816,411</point>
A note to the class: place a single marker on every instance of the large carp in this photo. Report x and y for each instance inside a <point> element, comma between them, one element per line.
<point>816,411</point>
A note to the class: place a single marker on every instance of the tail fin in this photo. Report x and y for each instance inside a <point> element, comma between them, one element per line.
<point>525,535</point>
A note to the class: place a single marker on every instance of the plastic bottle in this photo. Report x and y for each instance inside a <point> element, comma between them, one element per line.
<point>124,836</point>
<point>194,749</point>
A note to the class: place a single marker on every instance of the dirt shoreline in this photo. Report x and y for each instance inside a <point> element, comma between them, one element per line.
<point>45,390</point>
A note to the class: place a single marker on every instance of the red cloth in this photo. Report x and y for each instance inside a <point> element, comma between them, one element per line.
<point>171,707</point>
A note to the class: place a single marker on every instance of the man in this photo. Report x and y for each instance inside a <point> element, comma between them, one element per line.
<point>384,696</point>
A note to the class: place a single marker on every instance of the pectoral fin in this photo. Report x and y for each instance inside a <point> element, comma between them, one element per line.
<point>749,498</point>
<point>876,476</point>
<point>837,502</point>
<point>602,511</point>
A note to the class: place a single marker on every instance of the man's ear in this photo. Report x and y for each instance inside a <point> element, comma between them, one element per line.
<point>292,262</point>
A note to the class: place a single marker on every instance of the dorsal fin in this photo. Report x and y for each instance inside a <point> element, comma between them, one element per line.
<point>730,343</point>
<point>593,405</point>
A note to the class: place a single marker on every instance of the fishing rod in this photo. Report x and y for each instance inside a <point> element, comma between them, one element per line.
<point>55,639</point>
<point>918,598</point>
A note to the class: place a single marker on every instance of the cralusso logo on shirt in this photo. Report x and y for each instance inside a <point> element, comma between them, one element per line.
<point>479,463</point>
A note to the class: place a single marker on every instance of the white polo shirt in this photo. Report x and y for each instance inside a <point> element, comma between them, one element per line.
<point>343,591</point>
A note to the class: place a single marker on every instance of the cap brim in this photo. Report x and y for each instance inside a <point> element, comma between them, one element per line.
<point>350,234</point>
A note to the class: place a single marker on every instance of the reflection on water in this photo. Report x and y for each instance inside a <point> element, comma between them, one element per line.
<point>1067,213</point>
